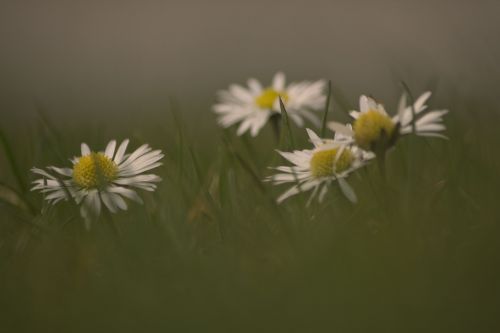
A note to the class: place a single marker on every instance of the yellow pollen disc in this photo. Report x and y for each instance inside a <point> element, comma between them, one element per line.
<point>268,97</point>
<point>94,171</point>
<point>371,127</point>
<point>322,162</point>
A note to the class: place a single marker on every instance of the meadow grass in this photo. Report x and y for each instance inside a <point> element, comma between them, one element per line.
<point>212,251</point>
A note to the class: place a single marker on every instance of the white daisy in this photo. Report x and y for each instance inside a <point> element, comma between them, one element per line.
<point>253,106</point>
<point>373,129</point>
<point>316,169</point>
<point>106,177</point>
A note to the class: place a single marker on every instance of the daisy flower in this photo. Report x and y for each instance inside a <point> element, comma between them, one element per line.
<point>98,178</point>
<point>252,106</point>
<point>315,169</point>
<point>374,130</point>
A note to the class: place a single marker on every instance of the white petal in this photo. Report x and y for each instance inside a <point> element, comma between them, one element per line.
<point>340,128</point>
<point>347,190</point>
<point>132,172</point>
<point>127,193</point>
<point>314,138</point>
<point>279,81</point>
<point>297,157</point>
<point>255,86</point>
<point>91,206</point>
<point>144,149</point>
<point>56,195</point>
<point>323,192</point>
<point>110,149</point>
<point>431,117</point>
<point>313,194</point>
<point>146,162</point>
<point>288,177</point>
<point>259,121</point>
<point>306,186</point>
<point>434,135</point>
<point>420,102</point>
<point>244,126</point>
<point>354,114</point>
<point>430,128</point>
<point>62,171</point>
<point>85,149</point>
<point>138,179</point>
<point>144,186</point>
<point>290,192</point>
<point>364,104</point>
<point>401,108</point>
<point>42,173</point>
<point>242,94</point>
<point>118,200</point>
<point>121,151</point>
<point>108,202</point>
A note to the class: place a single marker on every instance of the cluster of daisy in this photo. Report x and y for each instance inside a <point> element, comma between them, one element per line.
<point>372,133</point>
<point>111,177</point>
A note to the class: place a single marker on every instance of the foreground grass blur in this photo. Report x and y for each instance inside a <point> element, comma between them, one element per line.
<point>211,250</point>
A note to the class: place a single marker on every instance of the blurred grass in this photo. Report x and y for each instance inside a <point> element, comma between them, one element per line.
<point>211,251</point>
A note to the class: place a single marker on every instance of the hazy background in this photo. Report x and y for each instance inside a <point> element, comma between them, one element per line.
<point>209,249</point>
<point>81,57</point>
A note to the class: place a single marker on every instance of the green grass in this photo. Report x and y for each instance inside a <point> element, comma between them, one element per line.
<point>212,251</point>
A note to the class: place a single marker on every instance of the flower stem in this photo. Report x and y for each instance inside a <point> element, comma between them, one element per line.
<point>112,224</point>
<point>382,166</point>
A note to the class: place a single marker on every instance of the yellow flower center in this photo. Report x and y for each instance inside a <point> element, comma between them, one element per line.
<point>268,97</point>
<point>94,171</point>
<point>323,162</point>
<point>371,128</point>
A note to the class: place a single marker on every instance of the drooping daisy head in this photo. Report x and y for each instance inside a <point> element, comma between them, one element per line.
<point>315,169</point>
<point>106,177</point>
<point>417,119</point>
<point>252,106</point>
<point>374,130</point>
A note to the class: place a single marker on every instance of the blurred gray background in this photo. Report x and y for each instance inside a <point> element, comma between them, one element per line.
<point>119,57</point>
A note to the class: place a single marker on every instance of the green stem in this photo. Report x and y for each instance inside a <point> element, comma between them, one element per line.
<point>381,162</point>
<point>112,223</point>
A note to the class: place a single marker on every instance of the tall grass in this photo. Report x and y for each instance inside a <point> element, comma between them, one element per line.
<point>212,251</point>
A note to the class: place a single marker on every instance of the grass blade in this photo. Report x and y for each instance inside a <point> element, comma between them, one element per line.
<point>50,132</point>
<point>327,106</point>
<point>12,162</point>
<point>411,101</point>
<point>341,100</point>
<point>245,165</point>
<point>286,122</point>
<point>12,197</point>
